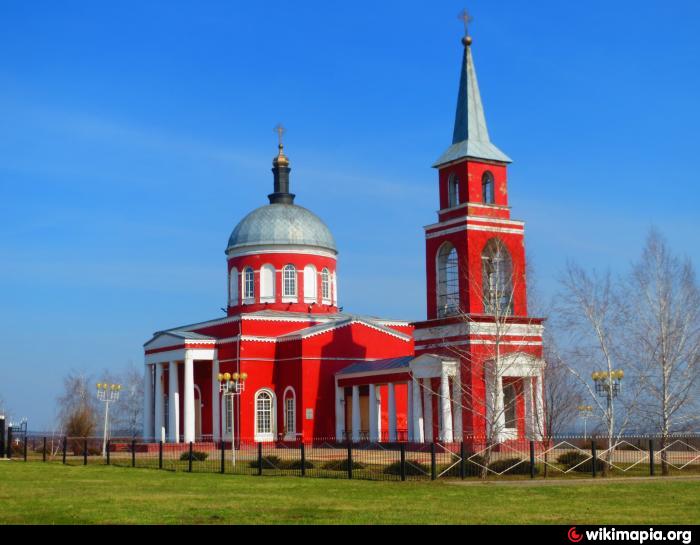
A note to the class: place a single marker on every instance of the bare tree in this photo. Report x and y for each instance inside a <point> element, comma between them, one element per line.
<point>590,312</point>
<point>662,294</point>
<point>129,410</point>
<point>77,406</point>
<point>496,378</point>
<point>562,393</point>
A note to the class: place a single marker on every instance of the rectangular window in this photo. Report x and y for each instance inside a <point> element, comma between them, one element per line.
<point>509,405</point>
<point>290,417</point>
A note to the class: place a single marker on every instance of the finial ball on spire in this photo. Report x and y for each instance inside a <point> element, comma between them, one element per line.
<point>281,159</point>
<point>466,19</point>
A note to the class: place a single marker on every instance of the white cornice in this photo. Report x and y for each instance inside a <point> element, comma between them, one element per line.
<point>281,249</point>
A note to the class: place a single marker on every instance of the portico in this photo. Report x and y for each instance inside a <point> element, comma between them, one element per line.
<point>415,387</point>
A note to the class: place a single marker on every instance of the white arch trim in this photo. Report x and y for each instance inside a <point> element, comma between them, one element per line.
<point>263,435</point>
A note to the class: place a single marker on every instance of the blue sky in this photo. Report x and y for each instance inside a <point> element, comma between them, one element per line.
<point>134,136</point>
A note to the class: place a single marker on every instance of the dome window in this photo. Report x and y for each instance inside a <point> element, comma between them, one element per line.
<point>289,281</point>
<point>248,285</point>
<point>233,287</point>
<point>326,287</point>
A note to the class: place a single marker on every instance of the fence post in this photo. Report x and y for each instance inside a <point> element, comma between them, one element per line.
<point>189,462</point>
<point>107,447</point>
<point>223,457</point>
<point>403,461</point>
<point>160,454</point>
<point>9,442</point>
<point>462,461</point>
<point>651,457</point>
<point>303,459</point>
<point>532,459</point>
<point>85,451</point>
<point>43,451</point>
<point>65,446</point>
<point>433,465</point>
<point>349,460</point>
<point>260,460</point>
<point>24,450</point>
<point>133,453</point>
<point>594,460</point>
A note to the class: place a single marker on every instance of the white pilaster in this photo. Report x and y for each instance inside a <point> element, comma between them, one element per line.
<point>528,401</point>
<point>500,416</point>
<point>339,412</point>
<point>188,404</point>
<point>428,410</point>
<point>539,408</point>
<point>215,398</point>
<point>356,421</point>
<point>457,407</point>
<point>409,411</point>
<point>391,406</point>
<point>173,403</point>
<point>418,435</point>
<point>159,403</point>
<point>148,401</point>
<point>373,414</point>
<point>446,409</point>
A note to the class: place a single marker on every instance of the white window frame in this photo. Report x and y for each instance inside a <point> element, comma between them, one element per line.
<point>265,296</point>
<point>452,191</point>
<point>326,286</point>
<point>310,284</point>
<point>261,436</point>
<point>287,297</point>
<point>233,287</point>
<point>289,435</point>
<point>448,303</point>
<point>244,284</point>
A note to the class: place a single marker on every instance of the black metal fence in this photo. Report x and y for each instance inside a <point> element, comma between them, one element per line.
<point>473,458</point>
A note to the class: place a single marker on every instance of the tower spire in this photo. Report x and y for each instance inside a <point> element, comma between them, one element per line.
<point>280,171</point>
<point>470,137</point>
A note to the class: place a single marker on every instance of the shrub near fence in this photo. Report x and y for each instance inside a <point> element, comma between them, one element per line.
<point>474,458</point>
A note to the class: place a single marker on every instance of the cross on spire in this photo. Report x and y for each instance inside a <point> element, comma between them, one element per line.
<point>466,18</point>
<point>280,130</point>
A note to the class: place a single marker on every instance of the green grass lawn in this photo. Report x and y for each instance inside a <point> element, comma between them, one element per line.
<point>52,493</point>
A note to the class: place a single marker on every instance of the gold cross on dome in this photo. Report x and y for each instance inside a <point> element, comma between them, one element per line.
<point>280,130</point>
<point>466,19</point>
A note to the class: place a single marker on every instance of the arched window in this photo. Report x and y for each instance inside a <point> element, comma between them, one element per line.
<point>310,291</point>
<point>248,285</point>
<point>452,191</point>
<point>289,281</point>
<point>448,280</point>
<point>264,416</point>
<point>290,414</point>
<point>497,278</point>
<point>325,286</point>
<point>487,188</point>
<point>267,284</point>
<point>233,287</point>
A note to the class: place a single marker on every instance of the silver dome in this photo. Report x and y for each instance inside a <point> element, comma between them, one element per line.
<point>282,224</point>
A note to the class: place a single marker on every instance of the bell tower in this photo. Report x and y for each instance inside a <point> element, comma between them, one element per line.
<point>476,290</point>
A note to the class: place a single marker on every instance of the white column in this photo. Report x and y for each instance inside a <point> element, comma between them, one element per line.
<point>529,406</point>
<point>539,407</point>
<point>160,404</point>
<point>188,404</point>
<point>445,409</point>
<point>373,414</point>
<point>339,412</point>
<point>418,435</point>
<point>148,401</point>
<point>173,403</point>
<point>391,406</point>
<point>427,410</point>
<point>499,415</point>
<point>356,413</point>
<point>215,399</point>
<point>409,410</point>
<point>457,407</point>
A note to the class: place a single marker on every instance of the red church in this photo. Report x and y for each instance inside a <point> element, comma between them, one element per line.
<point>287,363</point>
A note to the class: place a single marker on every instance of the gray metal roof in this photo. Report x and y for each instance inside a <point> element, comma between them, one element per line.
<point>389,364</point>
<point>471,135</point>
<point>286,224</point>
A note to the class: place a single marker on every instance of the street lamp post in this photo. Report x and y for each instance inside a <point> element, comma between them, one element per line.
<point>607,384</point>
<point>107,393</point>
<point>586,411</point>
<point>232,385</point>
